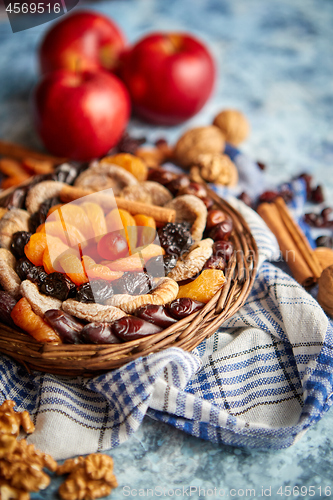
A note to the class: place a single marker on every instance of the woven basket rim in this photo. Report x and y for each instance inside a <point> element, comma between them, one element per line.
<point>188,333</point>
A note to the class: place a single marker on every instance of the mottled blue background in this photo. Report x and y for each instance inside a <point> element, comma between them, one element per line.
<point>275,63</point>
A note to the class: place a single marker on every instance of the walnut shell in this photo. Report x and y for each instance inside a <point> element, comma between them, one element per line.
<point>101,176</point>
<point>197,141</point>
<point>14,220</point>
<point>39,302</point>
<point>190,209</point>
<point>92,312</point>
<point>325,290</point>
<point>165,291</point>
<point>194,261</point>
<point>41,192</point>
<point>218,168</point>
<point>149,192</point>
<point>233,124</point>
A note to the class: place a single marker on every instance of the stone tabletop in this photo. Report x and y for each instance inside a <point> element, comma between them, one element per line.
<point>275,63</point>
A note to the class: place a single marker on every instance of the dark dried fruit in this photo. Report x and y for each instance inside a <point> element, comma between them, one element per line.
<point>133,283</point>
<point>20,239</point>
<point>169,263</point>
<point>7,303</point>
<point>37,275</point>
<point>181,308</point>
<point>98,333</point>
<point>128,144</point>
<point>16,199</point>
<point>195,189</point>
<point>268,196</point>
<point>245,198</point>
<point>38,218</point>
<point>133,328</point>
<point>215,262</point>
<point>175,238</point>
<point>57,285</point>
<point>182,181</point>
<point>66,173</point>
<point>325,241</point>
<point>215,217</point>
<point>308,183</point>
<point>22,268</point>
<point>326,212</point>
<point>317,195</point>
<point>222,231</point>
<point>97,291</point>
<point>208,202</point>
<point>223,249</point>
<point>158,315</point>
<point>261,165</point>
<point>161,176</point>
<point>67,327</point>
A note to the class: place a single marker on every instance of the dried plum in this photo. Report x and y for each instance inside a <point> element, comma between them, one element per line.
<point>98,333</point>
<point>19,240</point>
<point>36,274</point>
<point>97,291</point>
<point>133,283</point>
<point>175,238</point>
<point>7,302</point>
<point>57,285</point>
<point>67,327</point>
<point>22,267</point>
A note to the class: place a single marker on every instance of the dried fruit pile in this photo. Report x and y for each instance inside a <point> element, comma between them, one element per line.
<point>87,272</point>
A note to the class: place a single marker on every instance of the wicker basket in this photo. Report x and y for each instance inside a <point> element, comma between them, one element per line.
<point>92,359</point>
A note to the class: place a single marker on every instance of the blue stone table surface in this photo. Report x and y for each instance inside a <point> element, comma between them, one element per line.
<point>275,63</point>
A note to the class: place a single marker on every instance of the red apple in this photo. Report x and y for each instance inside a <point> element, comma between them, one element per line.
<point>82,41</point>
<point>80,115</point>
<point>169,76</point>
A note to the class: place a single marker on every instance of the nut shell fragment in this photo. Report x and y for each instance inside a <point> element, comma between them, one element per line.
<point>194,261</point>
<point>149,192</point>
<point>92,312</point>
<point>190,209</point>
<point>233,124</point>
<point>102,176</point>
<point>39,302</point>
<point>197,141</point>
<point>165,291</point>
<point>14,220</point>
<point>42,192</point>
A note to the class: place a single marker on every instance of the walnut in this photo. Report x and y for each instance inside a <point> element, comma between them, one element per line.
<point>233,124</point>
<point>92,312</point>
<point>325,290</point>
<point>39,302</point>
<point>102,176</point>
<point>194,261</point>
<point>190,209</point>
<point>197,141</point>
<point>90,477</point>
<point>8,445</point>
<point>218,168</point>
<point>149,192</point>
<point>10,420</point>
<point>28,477</point>
<point>9,493</point>
<point>14,220</point>
<point>165,291</point>
<point>41,192</point>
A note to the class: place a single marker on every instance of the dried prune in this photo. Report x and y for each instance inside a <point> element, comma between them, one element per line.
<point>155,267</point>
<point>98,333</point>
<point>195,189</point>
<point>181,308</point>
<point>67,327</point>
<point>37,275</point>
<point>7,303</point>
<point>38,218</point>
<point>157,315</point>
<point>175,238</point>
<point>133,328</point>
<point>133,283</point>
<point>57,285</point>
<point>97,291</point>
<point>22,268</point>
<point>317,195</point>
<point>19,240</point>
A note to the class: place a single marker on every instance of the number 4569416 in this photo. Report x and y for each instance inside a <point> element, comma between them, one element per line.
<point>33,8</point>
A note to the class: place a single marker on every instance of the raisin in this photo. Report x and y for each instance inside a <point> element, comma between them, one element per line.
<point>7,303</point>
<point>37,275</point>
<point>22,268</point>
<point>57,285</point>
<point>133,283</point>
<point>132,328</point>
<point>98,333</point>
<point>175,238</point>
<point>20,239</point>
<point>128,144</point>
<point>181,308</point>
<point>317,195</point>
<point>67,327</point>
<point>261,165</point>
<point>94,291</point>
<point>158,315</point>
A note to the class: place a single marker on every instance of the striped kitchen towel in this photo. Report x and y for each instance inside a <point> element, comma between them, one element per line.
<point>260,381</point>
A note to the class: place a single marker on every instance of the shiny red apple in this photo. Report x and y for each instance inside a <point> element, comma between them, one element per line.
<point>80,115</point>
<point>81,41</point>
<point>169,76</point>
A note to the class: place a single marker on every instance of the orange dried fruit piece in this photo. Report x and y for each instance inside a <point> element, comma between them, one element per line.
<point>53,209</point>
<point>131,163</point>
<point>39,167</point>
<point>146,229</point>
<point>55,247</point>
<point>35,248</point>
<point>99,271</point>
<point>73,267</point>
<point>73,215</point>
<point>137,260</point>
<point>14,180</point>
<point>24,317</point>
<point>12,168</point>
<point>70,235</point>
<point>96,217</point>
<point>119,219</point>
<point>204,287</point>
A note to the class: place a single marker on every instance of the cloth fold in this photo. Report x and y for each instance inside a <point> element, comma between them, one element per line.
<point>260,381</point>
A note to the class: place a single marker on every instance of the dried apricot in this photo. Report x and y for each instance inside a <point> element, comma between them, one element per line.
<point>127,223</point>
<point>35,248</point>
<point>96,217</point>
<point>70,235</point>
<point>24,317</point>
<point>136,261</point>
<point>55,247</point>
<point>146,229</point>
<point>204,287</point>
<point>73,267</point>
<point>98,271</point>
<point>131,163</point>
<point>73,215</point>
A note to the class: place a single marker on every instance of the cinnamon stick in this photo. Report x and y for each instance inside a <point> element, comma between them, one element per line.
<point>160,214</point>
<point>289,249</point>
<point>12,150</point>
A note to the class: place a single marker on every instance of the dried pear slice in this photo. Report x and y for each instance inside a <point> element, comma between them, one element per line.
<point>190,209</point>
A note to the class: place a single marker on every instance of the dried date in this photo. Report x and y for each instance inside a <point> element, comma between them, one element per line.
<point>133,328</point>
<point>98,333</point>
<point>181,308</point>
<point>7,303</point>
<point>67,327</point>
<point>158,315</point>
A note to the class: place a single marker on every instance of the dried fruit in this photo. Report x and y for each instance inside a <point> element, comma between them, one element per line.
<point>96,217</point>
<point>16,199</point>
<point>35,248</point>
<point>161,176</point>
<point>129,162</point>
<point>133,283</point>
<point>190,209</point>
<point>214,217</point>
<point>22,268</point>
<point>92,312</point>
<point>41,192</point>
<point>121,221</point>
<point>324,241</point>
<point>215,263</point>
<point>233,124</point>
<point>72,215</point>
<point>223,249</point>
<point>72,265</point>
<point>14,220</point>
<point>132,328</point>
<point>58,285</point>
<point>39,303</point>
<point>128,144</point>
<point>204,287</point>
<point>20,239</point>
<point>193,262</point>
<point>222,231</point>
<point>146,229</point>
<point>136,262</point>
<point>197,141</point>
<point>181,308</point>
<point>68,328</point>
<point>177,184</point>
<point>98,333</point>
<point>149,192</point>
<point>9,280</point>
<point>155,314</point>
<point>100,176</point>
<point>175,238</point>
<point>98,271</point>
<point>7,303</point>
<point>194,188</point>
<point>97,291</point>
<point>24,317</point>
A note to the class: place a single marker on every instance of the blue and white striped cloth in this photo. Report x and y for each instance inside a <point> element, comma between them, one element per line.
<point>260,381</point>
